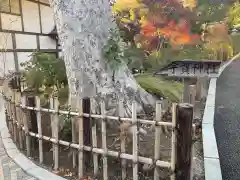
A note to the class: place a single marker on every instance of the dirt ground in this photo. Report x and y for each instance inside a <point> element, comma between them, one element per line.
<point>146,149</point>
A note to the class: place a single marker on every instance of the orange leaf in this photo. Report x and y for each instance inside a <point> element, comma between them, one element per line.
<point>148,29</point>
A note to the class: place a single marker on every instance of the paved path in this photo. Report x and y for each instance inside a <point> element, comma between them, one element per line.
<point>8,169</point>
<point>227,121</point>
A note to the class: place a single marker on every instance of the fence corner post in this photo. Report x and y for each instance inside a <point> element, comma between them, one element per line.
<point>184,118</point>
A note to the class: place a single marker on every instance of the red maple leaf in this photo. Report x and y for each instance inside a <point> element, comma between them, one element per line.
<point>148,29</point>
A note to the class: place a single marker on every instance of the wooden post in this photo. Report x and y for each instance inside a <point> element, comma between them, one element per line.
<point>55,132</point>
<point>184,117</point>
<point>123,143</point>
<point>80,138</point>
<point>94,139</point>
<point>87,130</point>
<point>135,141</point>
<point>157,139</point>
<point>39,125</point>
<point>104,142</point>
<point>25,121</point>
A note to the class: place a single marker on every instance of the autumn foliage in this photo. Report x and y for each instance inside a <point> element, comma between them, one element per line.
<point>155,21</point>
<point>177,34</point>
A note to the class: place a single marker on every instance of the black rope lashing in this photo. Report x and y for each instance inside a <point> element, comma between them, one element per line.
<point>156,123</point>
<point>81,149</point>
<point>120,120</point>
<point>104,119</point>
<point>70,143</point>
<point>40,137</point>
<point>58,110</point>
<point>49,139</point>
<point>56,142</point>
<point>91,150</point>
<point>69,112</point>
<point>27,133</point>
<point>134,162</point>
<point>154,164</point>
<point>119,154</point>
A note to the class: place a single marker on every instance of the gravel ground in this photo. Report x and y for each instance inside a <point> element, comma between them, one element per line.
<point>227,121</point>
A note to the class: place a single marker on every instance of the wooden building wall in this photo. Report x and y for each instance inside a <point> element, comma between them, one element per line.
<point>24,28</point>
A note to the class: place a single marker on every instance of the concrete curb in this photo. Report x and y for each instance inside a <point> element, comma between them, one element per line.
<point>21,160</point>
<point>228,63</point>
<point>211,158</point>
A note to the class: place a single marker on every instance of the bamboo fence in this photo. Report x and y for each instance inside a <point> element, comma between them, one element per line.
<point>17,109</point>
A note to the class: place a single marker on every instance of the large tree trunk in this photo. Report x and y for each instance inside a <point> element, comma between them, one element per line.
<point>83,28</point>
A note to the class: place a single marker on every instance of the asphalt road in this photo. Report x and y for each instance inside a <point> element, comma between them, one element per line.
<point>227,121</point>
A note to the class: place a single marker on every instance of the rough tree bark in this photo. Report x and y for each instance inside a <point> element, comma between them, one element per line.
<point>83,28</point>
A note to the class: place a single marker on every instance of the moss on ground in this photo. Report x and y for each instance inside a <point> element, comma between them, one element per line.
<point>171,90</point>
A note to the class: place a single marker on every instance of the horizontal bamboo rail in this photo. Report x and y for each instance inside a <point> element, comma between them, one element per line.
<point>79,147</point>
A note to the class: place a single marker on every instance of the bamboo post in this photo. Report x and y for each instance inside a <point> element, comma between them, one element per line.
<point>123,143</point>
<point>33,120</point>
<point>13,115</point>
<point>39,125</point>
<point>104,141</point>
<point>19,119</point>
<point>157,138</point>
<point>22,112</point>
<point>135,141</point>
<point>198,89</point>
<point>55,131</point>
<point>25,121</point>
<point>184,144</point>
<point>174,133</point>
<point>80,138</point>
<point>187,82</point>
<point>192,90</point>
<point>72,105</point>
<point>94,140</point>
<point>9,112</point>
<point>51,101</point>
